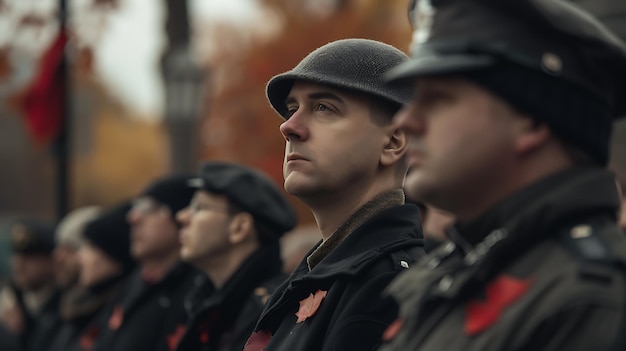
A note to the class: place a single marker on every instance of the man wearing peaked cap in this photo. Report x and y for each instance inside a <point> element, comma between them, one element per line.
<point>231,231</point>
<point>511,121</point>
<point>33,288</point>
<point>346,162</point>
<point>149,310</point>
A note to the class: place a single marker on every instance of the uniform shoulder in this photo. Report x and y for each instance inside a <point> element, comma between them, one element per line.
<point>598,245</point>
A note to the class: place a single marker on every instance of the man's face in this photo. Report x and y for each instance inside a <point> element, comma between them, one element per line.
<point>153,231</point>
<point>332,145</point>
<point>66,265</point>
<point>96,265</point>
<point>204,235</point>
<point>462,137</point>
<point>32,271</point>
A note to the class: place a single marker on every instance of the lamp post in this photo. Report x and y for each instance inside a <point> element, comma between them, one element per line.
<point>184,85</point>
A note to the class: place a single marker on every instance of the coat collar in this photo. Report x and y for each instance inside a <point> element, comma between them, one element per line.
<point>388,230</point>
<point>376,205</point>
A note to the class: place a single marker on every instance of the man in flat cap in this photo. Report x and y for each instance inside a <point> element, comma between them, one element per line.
<point>231,231</point>
<point>34,314</point>
<point>511,121</point>
<point>346,162</point>
<point>149,312</point>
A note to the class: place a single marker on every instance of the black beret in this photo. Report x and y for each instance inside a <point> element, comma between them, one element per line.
<point>172,191</point>
<point>550,36</point>
<point>31,236</point>
<point>110,232</point>
<point>354,64</point>
<point>251,191</point>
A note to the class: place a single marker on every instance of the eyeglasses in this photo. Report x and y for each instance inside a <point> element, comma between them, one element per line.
<point>196,206</point>
<point>147,206</point>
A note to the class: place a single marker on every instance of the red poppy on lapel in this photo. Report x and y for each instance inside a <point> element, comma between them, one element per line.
<point>309,305</point>
<point>174,338</point>
<point>393,329</point>
<point>117,318</point>
<point>258,341</point>
<point>501,293</point>
<point>88,338</point>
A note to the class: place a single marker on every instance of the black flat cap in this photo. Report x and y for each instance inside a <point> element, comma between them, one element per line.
<point>32,236</point>
<point>251,191</point>
<point>552,36</point>
<point>354,64</point>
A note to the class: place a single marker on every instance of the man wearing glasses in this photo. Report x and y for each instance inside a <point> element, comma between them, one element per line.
<point>231,231</point>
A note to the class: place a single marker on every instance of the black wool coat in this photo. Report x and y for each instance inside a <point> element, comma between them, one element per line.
<point>338,305</point>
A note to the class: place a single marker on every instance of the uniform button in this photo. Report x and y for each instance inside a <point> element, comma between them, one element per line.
<point>581,231</point>
<point>404,264</point>
<point>445,283</point>
<point>551,63</point>
<point>164,302</point>
<point>433,263</point>
<point>199,280</point>
<point>471,258</point>
<point>449,247</point>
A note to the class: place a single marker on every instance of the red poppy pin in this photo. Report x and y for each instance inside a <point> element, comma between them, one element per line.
<point>258,341</point>
<point>393,329</point>
<point>117,318</point>
<point>174,338</point>
<point>88,338</point>
<point>309,306</point>
<point>500,294</point>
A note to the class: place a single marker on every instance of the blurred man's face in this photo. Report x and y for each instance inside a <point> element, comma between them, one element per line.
<point>32,272</point>
<point>204,236</point>
<point>66,265</point>
<point>153,231</point>
<point>461,136</point>
<point>96,266</point>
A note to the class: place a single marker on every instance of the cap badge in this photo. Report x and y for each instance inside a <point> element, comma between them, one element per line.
<point>20,236</point>
<point>551,63</point>
<point>423,20</point>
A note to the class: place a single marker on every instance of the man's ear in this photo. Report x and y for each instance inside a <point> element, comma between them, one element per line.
<point>396,145</point>
<point>531,135</point>
<point>241,228</point>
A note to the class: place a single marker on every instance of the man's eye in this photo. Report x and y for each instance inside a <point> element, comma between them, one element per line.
<point>291,111</point>
<point>321,107</point>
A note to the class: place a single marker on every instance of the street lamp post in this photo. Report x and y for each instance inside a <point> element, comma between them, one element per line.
<point>184,85</point>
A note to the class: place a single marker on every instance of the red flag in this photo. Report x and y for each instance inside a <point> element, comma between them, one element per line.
<point>42,101</point>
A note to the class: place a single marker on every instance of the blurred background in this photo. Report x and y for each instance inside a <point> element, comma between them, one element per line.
<point>131,90</point>
<point>144,88</point>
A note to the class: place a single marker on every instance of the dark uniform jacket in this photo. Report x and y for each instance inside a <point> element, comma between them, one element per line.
<point>8,341</point>
<point>225,319</point>
<point>332,300</point>
<point>149,316</point>
<point>543,270</point>
<point>83,313</point>
<point>41,328</point>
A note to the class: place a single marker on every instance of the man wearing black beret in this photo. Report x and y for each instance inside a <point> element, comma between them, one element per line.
<point>511,121</point>
<point>231,231</point>
<point>105,260</point>
<point>149,310</point>
<point>346,161</point>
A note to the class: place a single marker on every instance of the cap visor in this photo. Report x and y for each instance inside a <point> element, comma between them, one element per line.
<point>437,65</point>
